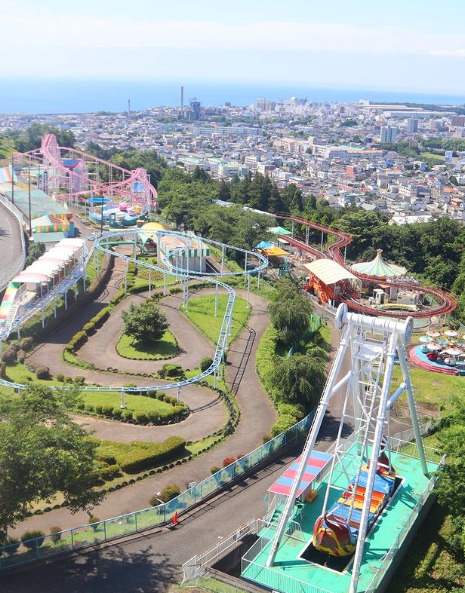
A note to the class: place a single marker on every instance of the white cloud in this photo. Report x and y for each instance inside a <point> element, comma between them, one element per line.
<point>32,26</point>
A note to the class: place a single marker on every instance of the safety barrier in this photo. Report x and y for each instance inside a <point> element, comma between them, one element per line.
<point>93,533</point>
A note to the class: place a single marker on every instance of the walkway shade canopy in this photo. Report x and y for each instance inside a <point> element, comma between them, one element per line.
<point>379,267</point>
<point>315,464</point>
<point>329,271</point>
<point>31,277</point>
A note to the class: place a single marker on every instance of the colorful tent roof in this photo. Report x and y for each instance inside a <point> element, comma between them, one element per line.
<point>264,245</point>
<point>275,251</point>
<point>279,230</point>
<point>329,271</point>
<point>315,463</point>
<point>378,267</point>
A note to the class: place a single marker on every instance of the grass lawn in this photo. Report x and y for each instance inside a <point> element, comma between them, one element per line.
<point>134,403</point>
<point>433,388</point>
<point>166,347</point>
<point>202,314</point>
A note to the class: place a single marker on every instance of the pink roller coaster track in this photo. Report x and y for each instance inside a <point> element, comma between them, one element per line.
<point>445,302</point>
<point>133,186</point>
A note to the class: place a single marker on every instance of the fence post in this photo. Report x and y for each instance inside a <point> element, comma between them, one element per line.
<point>135,520</point>
<point>105,529</point>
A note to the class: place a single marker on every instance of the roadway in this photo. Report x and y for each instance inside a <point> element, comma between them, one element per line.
<point>10,243</point>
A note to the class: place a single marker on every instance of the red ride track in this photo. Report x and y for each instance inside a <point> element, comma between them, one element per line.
<point>446,303</point>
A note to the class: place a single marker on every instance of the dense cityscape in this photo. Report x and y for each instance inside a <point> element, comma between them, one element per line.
<point>408,161</point>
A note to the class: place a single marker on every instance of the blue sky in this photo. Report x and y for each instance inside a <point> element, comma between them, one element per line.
<point>408,45</point>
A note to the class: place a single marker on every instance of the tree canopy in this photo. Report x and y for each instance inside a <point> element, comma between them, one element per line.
<point>145,323</point>
<point>42,452</point>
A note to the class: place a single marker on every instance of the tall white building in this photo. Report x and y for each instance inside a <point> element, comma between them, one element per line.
<point>388,135</point>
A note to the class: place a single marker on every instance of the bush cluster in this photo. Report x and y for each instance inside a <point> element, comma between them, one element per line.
<point>140,460</point>
<point>176,414</point>
<point>172,370</point>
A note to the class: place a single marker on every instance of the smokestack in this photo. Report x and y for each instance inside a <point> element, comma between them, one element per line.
<point>129,107</point>
<point>182,102</point>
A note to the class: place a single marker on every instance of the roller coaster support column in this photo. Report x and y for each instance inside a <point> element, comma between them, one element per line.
<point>248,291</point>
<point>150,283</point>
<point>42,316</point>
<point>216,300</point>
<point>178,393</point>
<point>321,246</point>
<point>55,307</point>
<point>222,259</point>
<point>307,234</point>
<point>126,277</point>
<point>66,300</point>
<point>292,228</point>
<point>186,297</point>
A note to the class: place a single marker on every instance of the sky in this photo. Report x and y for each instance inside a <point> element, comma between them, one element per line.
<point>408,45</point>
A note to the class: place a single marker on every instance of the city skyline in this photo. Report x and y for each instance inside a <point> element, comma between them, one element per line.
<point>403,46</point>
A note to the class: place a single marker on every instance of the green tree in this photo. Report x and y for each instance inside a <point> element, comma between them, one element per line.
<point>290,314</point>
<point>42,452</point>
<point>299,379</point>
<point>145,323</point>
<point>34,251</point>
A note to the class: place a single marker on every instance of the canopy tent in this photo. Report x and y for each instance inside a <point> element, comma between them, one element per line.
<point>264,245</point>
<point>274,251</point>
<point>279,230</point>
<point>329,271</point>
<point>379,267</point>
<point>51,258</point>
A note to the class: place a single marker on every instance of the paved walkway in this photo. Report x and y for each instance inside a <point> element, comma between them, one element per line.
<point>257,418</point>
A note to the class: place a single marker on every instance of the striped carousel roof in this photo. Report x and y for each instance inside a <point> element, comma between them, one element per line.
<point>378,267</point>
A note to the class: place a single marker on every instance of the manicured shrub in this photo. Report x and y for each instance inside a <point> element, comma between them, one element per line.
<point>171,370</point>
<point>79,380</point>
<point>127,415</point>
<point>214,469</point>
<point>98,409</point>
<point>55,534</point>
<point>140,460</point>
<point>78,340</point>
<point>107,410</point>
<point>13,544</point>
<point>88,407</point>
<point>117,413</point>
<point>3,370</point>
<point>43,373</point>
<point>169,492</point>
<point>109,472</point>
<point>21,356</point>
<point>27,343</point>
<point>9,356</point>
<point>228,460</point>
<point>80,405</point>
<point>32,538</point>
<point>141,417</point>
<point>205,363</point>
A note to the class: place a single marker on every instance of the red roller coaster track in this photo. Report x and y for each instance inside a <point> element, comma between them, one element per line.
<point>445,302</point>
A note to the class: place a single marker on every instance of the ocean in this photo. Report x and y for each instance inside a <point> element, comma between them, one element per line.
<point>19,95</point>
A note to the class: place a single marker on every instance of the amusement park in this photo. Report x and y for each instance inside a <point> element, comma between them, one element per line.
<point>339,515</point>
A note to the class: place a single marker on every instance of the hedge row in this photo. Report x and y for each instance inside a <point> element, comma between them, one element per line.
<point>176,414</point>
<point>138,461</point>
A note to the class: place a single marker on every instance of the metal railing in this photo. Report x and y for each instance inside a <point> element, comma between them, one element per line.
<point>92,533</point>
